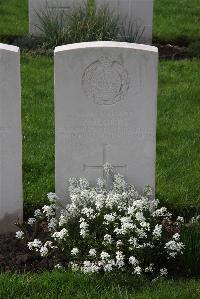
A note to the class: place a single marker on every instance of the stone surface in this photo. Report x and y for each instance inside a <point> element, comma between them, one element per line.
<point>140,11</point>
<point>105,108</point>
<point>37,6</point>
<point>10,139</point>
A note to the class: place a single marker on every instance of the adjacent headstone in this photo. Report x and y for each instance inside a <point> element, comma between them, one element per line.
<point>105,108</point>
<point>10,139</point>
<point>39,6</point>
<point>138,12</point>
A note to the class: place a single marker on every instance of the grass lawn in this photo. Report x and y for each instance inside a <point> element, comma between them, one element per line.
<point>13,17</point>
<point>178,139</point>
<point>176,20</point>
<point>173,19</point>
<point>70,285</point>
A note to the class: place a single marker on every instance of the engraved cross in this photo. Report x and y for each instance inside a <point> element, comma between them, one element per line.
<point>104,161</point>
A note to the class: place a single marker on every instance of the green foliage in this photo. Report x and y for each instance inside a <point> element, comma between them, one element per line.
<point>75,285</point>
<point>194,49</point>
<point>131,31</point>
<point>80,24</point>
<point>190,259</point>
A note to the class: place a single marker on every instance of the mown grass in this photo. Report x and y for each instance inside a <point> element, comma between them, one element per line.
<point>178,138</point>
<point>173,19</point>
<point>13,17</point>
<point>74,285</point>
<point>38,129</point>
<point>176,20</point>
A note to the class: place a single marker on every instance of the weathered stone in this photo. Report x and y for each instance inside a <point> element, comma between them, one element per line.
<point>139,12</point>
<point>10,139</point>
<point>105,106</point>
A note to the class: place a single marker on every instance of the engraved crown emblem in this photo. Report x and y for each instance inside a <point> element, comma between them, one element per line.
<point>105,81</point>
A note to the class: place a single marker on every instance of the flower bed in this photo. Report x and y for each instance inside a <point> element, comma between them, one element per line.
<point>110,227</point>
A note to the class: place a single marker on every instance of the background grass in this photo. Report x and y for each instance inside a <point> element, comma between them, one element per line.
<point>13,17</point>
<point>177,20</point>
<point>178,138</point>
<point>73,285</point>
<point>173,19</point>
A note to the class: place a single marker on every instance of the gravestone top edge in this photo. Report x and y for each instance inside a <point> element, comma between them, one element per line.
<point>9,48</point>
<point>106,44</point>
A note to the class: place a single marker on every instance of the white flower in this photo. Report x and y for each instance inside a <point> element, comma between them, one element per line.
<point>108,266</point>
<point>74,251</point>
<point>84,184</point>
<point>89,267</point>
<point>149,269</point>
<point>119,243</point>
<point>120,259</point>
<point>195,220</point>
<point>49,244</point>
<point>83,227</point>
<point>92,252</point>
<point>74,266</point>
<point>163,272</point>
<point>43,251</point>
<point>110,217</point>
<point>108,239</point>
<point>105,255</point>
<point>61,235</point>
<point>52,224</point>
<point>133,261</point>
<point>140,217</point>
<point>58,266</point>
<point>100,183</point>
<point>141,233</point>
<point>173,247</point>
<point>37,213</point>
<point>89,212</point>
<point>49,211</point>
<point>157,231</point>
<point>52,197</point>
<point>162,212</point>
<point>99,201</point>
<point>133,241</point>
<point>62,220</point>
<point>36,244</point>
<point>31,221</point>
<point>176,237</point>
<point>138,270</point>
<point>19,234</point>
<point>180,219</point>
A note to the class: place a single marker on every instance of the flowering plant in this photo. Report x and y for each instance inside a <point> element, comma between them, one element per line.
<point>106,228</point>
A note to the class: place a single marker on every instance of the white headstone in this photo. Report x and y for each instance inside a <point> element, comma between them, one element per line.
<point>138,11</point>
<point>10,139</point>
<point>105,108</point>
<point>39,6</point>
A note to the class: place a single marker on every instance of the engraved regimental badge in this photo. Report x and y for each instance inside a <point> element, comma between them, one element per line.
<point>105,82</point>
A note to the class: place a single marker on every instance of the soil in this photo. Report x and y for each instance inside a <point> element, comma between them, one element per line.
<point>16,257</point>
<point>172,52</point>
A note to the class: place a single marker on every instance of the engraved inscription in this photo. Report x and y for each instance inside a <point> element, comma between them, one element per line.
<point>105,82</point>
